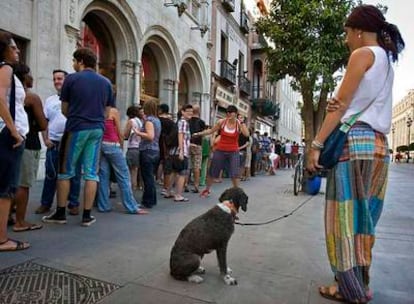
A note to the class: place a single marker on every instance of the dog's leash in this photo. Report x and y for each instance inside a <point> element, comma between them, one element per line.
<point>276,219</point>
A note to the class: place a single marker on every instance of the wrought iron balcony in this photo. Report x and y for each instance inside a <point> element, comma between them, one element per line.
<point>227,71</point>
<point>266,107</point>
<point>228,5</point>
<point>244,22</point>
<point>257,91</point>
<point>244,85</point>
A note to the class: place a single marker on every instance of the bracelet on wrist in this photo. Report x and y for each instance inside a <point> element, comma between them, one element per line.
<point>317,145</point>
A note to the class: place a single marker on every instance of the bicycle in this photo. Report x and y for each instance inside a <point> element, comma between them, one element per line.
<point>298,177</point>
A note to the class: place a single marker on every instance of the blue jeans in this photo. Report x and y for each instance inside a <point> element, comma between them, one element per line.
<point>49,184</point>
<point>148,162</point>
<point>112,156</point>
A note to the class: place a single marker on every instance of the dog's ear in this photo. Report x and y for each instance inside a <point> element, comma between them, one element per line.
<point>226,195</point>
<point>243,201</point>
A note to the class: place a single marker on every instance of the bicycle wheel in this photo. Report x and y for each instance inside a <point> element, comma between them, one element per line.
<point>297,180</point>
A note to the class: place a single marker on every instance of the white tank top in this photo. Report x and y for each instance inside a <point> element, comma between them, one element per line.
<point>375,84</point>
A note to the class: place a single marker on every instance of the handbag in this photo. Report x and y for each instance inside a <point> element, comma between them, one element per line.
<point>334,144</point>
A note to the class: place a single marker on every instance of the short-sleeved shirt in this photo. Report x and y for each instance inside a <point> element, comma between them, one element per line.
<point>265,144</point>
<point>56,120</point>
<point>184,128</point>
<point>288,148</point>
<point>196,125</point>
<point>87,94</point>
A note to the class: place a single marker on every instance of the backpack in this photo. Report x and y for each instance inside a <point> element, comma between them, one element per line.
<point>255,145</point>
<point>171,139</point>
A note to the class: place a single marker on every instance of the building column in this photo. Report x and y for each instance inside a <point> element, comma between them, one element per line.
<point>125,90</point>
<point>169,95</point>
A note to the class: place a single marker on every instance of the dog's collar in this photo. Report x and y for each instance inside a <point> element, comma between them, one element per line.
<point>228,207</point>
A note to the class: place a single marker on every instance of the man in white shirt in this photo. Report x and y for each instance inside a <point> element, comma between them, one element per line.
<point>51,138</point>
<point>288,154</point>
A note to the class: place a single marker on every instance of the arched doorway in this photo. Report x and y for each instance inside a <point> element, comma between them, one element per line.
<point>96,36</point>
<point>112,33</point>
<point>149,75</point>
<point>190,89</point>
<point>159,68</point>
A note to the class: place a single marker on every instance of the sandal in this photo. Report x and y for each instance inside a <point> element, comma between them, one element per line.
<point>141,212</point>
<point>182,199</point>
<point>205,193</point>
<point>331,293</point>
<point>18,245</point>
<point>28,228</point>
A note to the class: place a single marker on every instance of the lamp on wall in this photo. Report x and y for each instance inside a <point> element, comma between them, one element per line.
<point>203,28</point>
<point>179,4</point>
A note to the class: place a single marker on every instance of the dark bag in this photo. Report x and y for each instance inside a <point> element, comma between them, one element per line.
<point>333,148</point>
<point>171,139</point>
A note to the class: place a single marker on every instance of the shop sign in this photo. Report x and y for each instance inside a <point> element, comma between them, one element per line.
<point>243,107</point>
<point>224,97</point>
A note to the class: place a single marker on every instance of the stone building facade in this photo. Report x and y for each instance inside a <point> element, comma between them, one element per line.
<point>402,130</point>
<point>148,49</point>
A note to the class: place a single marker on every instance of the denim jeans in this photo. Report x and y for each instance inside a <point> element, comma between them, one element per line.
<point>148,162</point>
<point>49,184</point>
<point>112,156</point>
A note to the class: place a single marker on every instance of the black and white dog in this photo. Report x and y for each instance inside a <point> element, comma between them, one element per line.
<point>210,231</point>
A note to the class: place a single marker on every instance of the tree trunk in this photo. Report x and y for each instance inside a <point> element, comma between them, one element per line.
<point>308,112</point>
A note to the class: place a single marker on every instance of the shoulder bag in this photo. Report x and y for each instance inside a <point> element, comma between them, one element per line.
<point>334,144</point>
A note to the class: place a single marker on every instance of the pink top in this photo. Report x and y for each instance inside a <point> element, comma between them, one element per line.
<point>110,133</point>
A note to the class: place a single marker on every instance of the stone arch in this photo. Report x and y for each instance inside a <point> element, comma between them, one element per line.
<point>159,44</point>
<point>116,24</point>
<point>194,71</point>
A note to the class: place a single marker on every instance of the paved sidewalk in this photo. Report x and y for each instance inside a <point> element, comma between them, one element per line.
<point>282,262</point>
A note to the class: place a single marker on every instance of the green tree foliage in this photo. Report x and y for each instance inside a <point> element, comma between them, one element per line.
<point>307,43</point>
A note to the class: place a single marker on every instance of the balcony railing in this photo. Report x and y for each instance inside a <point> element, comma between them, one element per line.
<point>227,71</point>
<point>244,22</point>
<point>257,91</point>
<point>266,107</point>
<point>228,5</point>
<point>244,85</point>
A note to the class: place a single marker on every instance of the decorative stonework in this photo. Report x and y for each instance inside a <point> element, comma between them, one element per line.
<point>128,67</point>
<point>73,35</point>
<point>72,11</point>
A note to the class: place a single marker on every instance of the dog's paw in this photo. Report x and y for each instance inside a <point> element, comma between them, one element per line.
<point>229,270</point>
<point>229,280</point>
<point>195,279</point>
<point>200,270</point>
